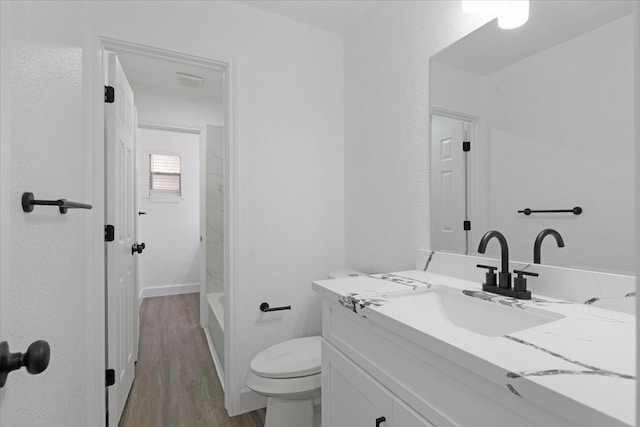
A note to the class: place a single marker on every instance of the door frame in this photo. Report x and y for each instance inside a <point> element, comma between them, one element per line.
<point>95,168</point>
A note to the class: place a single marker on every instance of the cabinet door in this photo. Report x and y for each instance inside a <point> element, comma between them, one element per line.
<point>404,416</point>
<point>350,397</point>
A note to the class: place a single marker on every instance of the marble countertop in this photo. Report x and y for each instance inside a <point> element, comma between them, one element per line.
<point>582,362</point>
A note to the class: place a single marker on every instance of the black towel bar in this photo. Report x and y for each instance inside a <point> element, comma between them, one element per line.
<point>28,203</point>
<point>576,211</point>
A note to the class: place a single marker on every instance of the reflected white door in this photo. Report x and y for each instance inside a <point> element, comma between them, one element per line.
<point>448,184</point>
<point>120,212</point>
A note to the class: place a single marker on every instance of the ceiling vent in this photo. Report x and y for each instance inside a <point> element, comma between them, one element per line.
<point>189,80</point>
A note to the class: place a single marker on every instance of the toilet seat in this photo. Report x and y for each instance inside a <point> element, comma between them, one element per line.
<point>294,358</point>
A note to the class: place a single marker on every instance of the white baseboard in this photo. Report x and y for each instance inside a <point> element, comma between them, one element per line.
<point>214,356</point>
<point>161,291</point>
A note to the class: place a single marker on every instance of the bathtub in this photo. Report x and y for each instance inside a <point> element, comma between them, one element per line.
<point>216,331</point>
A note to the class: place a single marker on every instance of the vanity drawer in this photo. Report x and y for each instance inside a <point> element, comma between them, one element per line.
<point>439,390</point>
<point>352,398</point>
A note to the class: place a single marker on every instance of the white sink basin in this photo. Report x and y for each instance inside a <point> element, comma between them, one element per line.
<point>452,306</point>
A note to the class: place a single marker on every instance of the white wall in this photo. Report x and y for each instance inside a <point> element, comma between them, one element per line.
<point>387,128</point>
<point>156,108</point>
<point>288,98</point>
<point>170,229</point>
<point>565,139</point>
<point>455,90</point>
<point>47,272</point>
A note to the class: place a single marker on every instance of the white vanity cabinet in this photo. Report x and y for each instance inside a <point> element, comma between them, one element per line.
<point>368,372</point>
<point>352,398</point>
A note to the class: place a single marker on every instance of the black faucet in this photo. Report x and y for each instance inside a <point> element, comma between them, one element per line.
<point>504,278</point>
<point>538,244</point>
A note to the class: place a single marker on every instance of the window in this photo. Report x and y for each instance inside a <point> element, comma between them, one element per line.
<point>164,175</point>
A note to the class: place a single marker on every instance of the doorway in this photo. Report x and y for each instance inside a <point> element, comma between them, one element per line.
<point>200,123</point>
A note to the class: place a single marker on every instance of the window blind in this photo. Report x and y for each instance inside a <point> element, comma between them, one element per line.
<point>165,174</point>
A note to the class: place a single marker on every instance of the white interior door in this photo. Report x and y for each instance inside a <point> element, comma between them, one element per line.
<point>120,212</point>
<point>448,184</point>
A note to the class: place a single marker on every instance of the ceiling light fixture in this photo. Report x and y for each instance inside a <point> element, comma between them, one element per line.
<point>511,13</point>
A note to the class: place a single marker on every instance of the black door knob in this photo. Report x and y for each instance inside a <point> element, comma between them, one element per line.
<point>137,247</point>
<point>36,359</point>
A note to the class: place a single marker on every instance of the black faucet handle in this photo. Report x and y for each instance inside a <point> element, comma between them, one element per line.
<point>521,273</point>
<point>490,276</point>
<point>520,283</point>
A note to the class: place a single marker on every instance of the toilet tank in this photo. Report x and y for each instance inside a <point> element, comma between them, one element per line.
<point>345,272</point>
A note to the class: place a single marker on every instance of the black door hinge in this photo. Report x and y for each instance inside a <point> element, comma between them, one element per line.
<point>466,146</point>
<point>110,377</point>
<point>109,94</point>
<point>109,233</point>
<point>466,225</point>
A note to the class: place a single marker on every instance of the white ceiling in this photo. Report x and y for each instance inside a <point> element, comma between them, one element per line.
<point>159,76</point>
<point>491,48</point>
<point>333,15</point>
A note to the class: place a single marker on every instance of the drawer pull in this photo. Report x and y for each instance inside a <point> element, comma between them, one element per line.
<point>380,421</point>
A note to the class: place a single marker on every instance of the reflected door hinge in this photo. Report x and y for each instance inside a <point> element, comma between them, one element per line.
<point>466,146</point>
<point>466,225</point>
<point>109,94</point>
<point>110,377</point>
<point>109,233</point>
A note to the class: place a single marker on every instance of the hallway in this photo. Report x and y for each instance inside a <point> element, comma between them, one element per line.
<point>176,383</point>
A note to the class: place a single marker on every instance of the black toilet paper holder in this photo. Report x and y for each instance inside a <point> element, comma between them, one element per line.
<point>264,307</point>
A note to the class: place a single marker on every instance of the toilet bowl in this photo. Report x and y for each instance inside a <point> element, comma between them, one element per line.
<point>288,374</point>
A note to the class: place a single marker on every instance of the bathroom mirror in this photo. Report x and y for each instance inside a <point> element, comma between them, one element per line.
<point>547,109</point>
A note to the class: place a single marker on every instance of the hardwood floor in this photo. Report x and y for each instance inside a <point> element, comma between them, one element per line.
<point>176,383</point>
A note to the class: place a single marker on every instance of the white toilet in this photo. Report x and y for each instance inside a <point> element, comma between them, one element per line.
<point>288,374</point>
